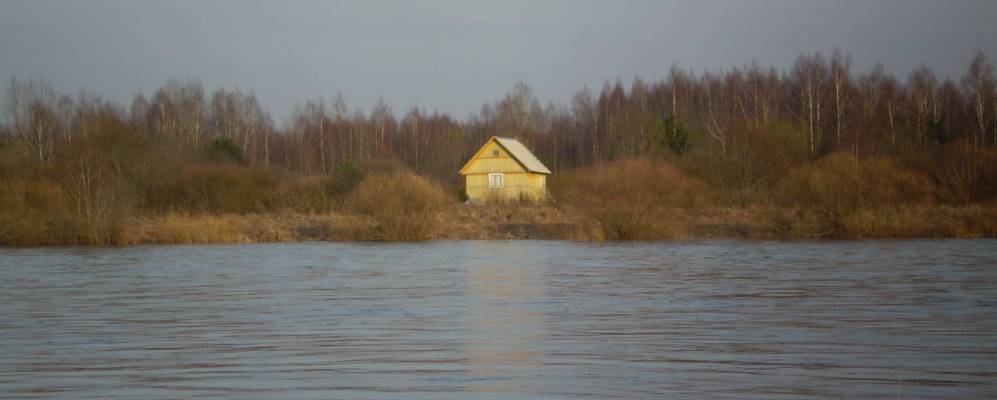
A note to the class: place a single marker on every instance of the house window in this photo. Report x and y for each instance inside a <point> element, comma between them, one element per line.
<point>496,181</point>
<point>495,153</point>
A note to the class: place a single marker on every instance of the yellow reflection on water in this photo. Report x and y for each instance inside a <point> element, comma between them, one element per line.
<point>506,328</point>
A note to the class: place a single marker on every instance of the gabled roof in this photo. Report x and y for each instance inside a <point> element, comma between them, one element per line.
<point>518,151</point>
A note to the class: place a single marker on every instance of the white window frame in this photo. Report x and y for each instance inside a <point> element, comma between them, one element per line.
<point>496,180</point>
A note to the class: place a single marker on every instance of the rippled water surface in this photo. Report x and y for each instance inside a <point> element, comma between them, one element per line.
<point>520,319</point>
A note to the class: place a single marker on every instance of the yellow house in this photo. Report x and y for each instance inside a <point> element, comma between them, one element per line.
<point>504,169</point>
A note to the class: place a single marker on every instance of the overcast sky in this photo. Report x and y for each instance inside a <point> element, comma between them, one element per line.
<point>453,56</point>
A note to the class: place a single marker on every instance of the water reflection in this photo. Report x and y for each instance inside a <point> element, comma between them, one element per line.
<point>506,326</point>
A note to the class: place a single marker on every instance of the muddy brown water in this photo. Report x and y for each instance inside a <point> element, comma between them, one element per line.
<point>498,320</point>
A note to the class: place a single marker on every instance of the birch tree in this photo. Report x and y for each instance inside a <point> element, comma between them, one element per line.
<point>809,74</point>
<point>840,86</point>
<point>717,116</point>
<point>978,85</point>
<point>30,109</point>
<point>923,86</point>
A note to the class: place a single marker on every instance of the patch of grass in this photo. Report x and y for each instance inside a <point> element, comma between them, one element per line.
<point>200,229</point>
<point>512,220</point>
<point>921,222</point>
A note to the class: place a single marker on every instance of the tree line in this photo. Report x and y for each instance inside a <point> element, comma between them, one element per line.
<point>731,126</point>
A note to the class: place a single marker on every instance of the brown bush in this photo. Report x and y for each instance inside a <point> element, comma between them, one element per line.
<point>963,172</point>
<point>756,160</point>
<point>401,205</point>
<point>215,189</point>
<point>630,198</point>
<point>78,197</point>
<point>304,195</point>
<point>34,211</point>
<point>35,214</point>
<point>830,192</point>
<point>841,181</point>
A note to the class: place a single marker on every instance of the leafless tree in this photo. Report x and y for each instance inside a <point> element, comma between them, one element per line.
<point>717,115</point>
<point>840,88</point>
<point>30,109</point>
<point>809,75</point>
<point>923,86</point>
<point>978,85</point>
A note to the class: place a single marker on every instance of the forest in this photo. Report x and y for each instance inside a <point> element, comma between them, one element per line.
<point>818,150</point>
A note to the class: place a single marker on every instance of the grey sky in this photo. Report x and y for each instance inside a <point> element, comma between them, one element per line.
<point>455,56</point>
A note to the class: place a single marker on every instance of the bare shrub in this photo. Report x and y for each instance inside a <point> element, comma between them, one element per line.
<point>304,195</point>
<point>841,181</point>
<point>401,205</point>
<point>217,189</point>
<point>100,197</point>
<point>964,173</point>
<point>630,198</point>
<point>34,214</point>
<point>757,159</point>
<point>839,185</point>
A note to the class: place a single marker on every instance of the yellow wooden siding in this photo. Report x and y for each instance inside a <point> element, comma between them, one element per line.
<point>487,162</point>
<point>518,183</point>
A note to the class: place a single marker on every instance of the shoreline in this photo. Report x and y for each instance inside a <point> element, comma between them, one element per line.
<point>547,222</point>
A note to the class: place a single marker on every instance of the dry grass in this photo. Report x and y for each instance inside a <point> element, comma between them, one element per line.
<point>510,220</point>
<point>185,229</point>
<point>537,221</point>
<point>918,221</point>
<point>240,228</point>
<point>922,222</point>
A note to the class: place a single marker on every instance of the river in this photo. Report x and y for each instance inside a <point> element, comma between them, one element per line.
<point>502,319</point>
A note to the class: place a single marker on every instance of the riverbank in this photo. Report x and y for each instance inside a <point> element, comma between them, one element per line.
<point>531,221</point>
<point>836,198</point>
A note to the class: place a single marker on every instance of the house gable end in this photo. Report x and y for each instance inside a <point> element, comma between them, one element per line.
<point>507,148</point>
<point>485,160</point>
